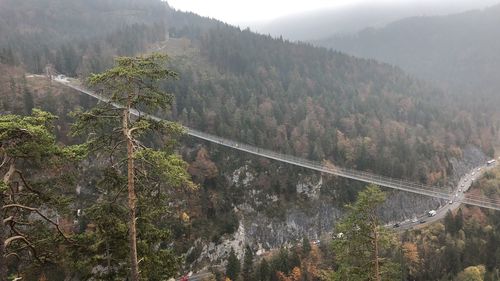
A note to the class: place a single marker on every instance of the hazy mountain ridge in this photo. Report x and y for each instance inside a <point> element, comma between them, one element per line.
<point>354,17</point>
<point>459,50</point>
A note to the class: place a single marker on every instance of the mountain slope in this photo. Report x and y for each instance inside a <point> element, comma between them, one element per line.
<point>355,16</point>
<point>292,98</point>
<point>304,101</point>
<point>34,33</point>
<point>460,50</point>
<point>289,97</point>
<point>66,20</point>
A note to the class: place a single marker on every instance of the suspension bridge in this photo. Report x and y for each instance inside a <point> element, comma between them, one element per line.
<point>398,184</point>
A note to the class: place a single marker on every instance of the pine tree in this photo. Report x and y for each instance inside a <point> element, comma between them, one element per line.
<point>233,266</point>
<point>491,252</point>
<point>148,173</point>
<point>306,246</point>
<point>28,101</point>
<point>358,252</point>
<point>281,261</point>
<point>294,259</point>
<point>263,272</point>
<point>449,223</point>
<point>30,208</point>
<point>248,264</point>
<point>459,220</point>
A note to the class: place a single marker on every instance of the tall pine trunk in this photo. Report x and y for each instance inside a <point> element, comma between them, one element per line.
<point>375,253</point>
<point>132,199</point>
<point>3,262</point>
<point>3,233</point>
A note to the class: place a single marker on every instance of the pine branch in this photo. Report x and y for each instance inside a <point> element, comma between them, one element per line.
<point>118,193</point>
<point>26,184</point>
<point>6,158</point>
<point>12,254</point>
<point>9,240</point>
<point>8,220</point>
<point>22,237</point>
<point>8,175</point>
<point>41,215</point>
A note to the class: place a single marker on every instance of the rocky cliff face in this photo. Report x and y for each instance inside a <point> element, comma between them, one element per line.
<point>265,224</point>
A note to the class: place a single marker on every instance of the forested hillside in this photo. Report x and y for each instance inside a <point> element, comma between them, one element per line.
<point>465,246</point>
<point>292,98</point>
<point>354,16</point>
<point>35,33</point>
<point>459,51</point>
<point>321,105</point>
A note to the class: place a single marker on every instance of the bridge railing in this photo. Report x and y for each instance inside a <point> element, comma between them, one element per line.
<point>344,172</point>
<point>316,165</point>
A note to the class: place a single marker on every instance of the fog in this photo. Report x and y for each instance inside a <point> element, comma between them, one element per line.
<point>239,12</point>
<point>315,19</point>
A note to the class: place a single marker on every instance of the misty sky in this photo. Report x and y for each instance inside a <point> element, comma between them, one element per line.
<point>253,11</point>
<point>242,11</point>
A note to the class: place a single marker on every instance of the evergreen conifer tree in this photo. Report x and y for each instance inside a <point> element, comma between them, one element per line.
<point>139,158</point>
<point>233,266</point>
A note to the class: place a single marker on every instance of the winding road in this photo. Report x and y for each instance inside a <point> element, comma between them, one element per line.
<point>459,194</point>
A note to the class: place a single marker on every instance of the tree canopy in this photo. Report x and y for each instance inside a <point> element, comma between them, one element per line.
<point>361,244</point>
<point>140,157</point>
<point>34,191</point>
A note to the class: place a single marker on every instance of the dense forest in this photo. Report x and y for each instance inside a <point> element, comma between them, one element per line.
<point>76,35</point>
<point>292,98</point>
<point>464,246</point>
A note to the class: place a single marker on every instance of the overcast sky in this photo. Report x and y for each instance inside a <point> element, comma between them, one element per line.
<point>243,11</point>
<point>239,12</point>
